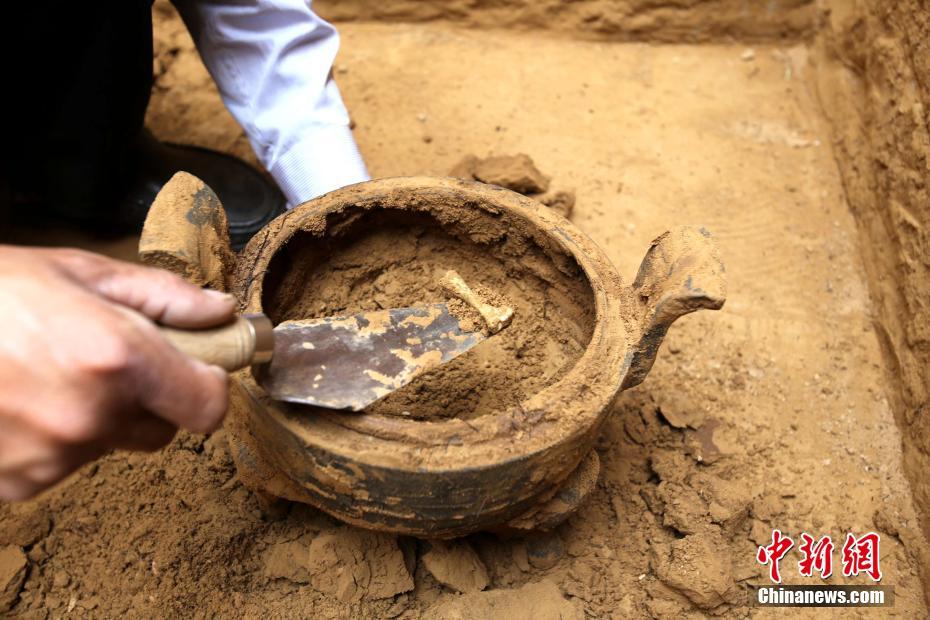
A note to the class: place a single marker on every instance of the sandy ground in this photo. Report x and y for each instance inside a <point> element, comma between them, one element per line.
<point>770,413</point>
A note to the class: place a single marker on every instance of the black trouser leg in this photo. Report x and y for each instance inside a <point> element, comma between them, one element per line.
<point>81,74</point>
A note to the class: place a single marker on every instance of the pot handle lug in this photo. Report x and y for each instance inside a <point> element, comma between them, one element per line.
<point>681,273</point>
<point>186,232</point>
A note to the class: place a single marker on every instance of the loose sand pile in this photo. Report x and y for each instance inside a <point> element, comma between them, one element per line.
<point>772,413</point>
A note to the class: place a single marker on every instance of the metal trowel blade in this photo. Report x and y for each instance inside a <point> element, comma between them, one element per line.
<point>349,362</point>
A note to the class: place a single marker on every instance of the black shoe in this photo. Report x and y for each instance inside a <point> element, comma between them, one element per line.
<point>251,199</point>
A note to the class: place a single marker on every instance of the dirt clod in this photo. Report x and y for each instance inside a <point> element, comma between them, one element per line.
<point>456,565</point>
<point>703,499</point>
<point>13,566</point>
<point>680,411</point>
<point>562,202</point>
<point>698,566</point>
<point>516,172</point>
<point>352,564</point>
<point>288,560</point>
<point>24,525</point>
<point>60,580</point>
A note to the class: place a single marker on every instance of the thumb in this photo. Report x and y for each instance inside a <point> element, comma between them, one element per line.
<point>160,295</point>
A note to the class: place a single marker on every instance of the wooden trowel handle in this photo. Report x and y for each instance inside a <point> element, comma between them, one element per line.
<point>247,340</point>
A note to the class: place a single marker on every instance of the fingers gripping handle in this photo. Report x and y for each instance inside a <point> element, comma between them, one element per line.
<point>681,273</point>
<point>247,340</point>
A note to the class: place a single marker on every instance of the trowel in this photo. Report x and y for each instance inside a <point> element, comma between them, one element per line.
<point>345,362</point>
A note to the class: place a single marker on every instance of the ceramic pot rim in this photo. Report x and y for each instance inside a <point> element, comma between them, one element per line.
<point>582,395</point>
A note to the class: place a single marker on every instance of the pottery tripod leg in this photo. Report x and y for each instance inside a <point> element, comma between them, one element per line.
<point>186,232</point>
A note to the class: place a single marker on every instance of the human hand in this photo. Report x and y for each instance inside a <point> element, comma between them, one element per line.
<point>82,371</point>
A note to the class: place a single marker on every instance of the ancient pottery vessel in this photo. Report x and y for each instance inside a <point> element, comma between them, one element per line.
<point>512,454</point>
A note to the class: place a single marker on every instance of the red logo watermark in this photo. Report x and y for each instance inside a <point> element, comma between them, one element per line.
<point>859,555</point>
<point>773,553</point>
<point>817,556</point>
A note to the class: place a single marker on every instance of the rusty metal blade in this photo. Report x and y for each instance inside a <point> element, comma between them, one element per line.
<point>349,362</point>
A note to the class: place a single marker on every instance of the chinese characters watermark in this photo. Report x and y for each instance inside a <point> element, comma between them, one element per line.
<point>860,555</point>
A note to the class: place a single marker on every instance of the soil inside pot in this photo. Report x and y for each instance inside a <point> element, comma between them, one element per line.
<point>394,258</point>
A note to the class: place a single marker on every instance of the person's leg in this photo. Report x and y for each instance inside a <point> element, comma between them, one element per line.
<point>82,74</point>
<point>76,152</point>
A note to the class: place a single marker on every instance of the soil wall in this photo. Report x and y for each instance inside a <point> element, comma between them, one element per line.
<point>653,20</point>
<point>873,81</point>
